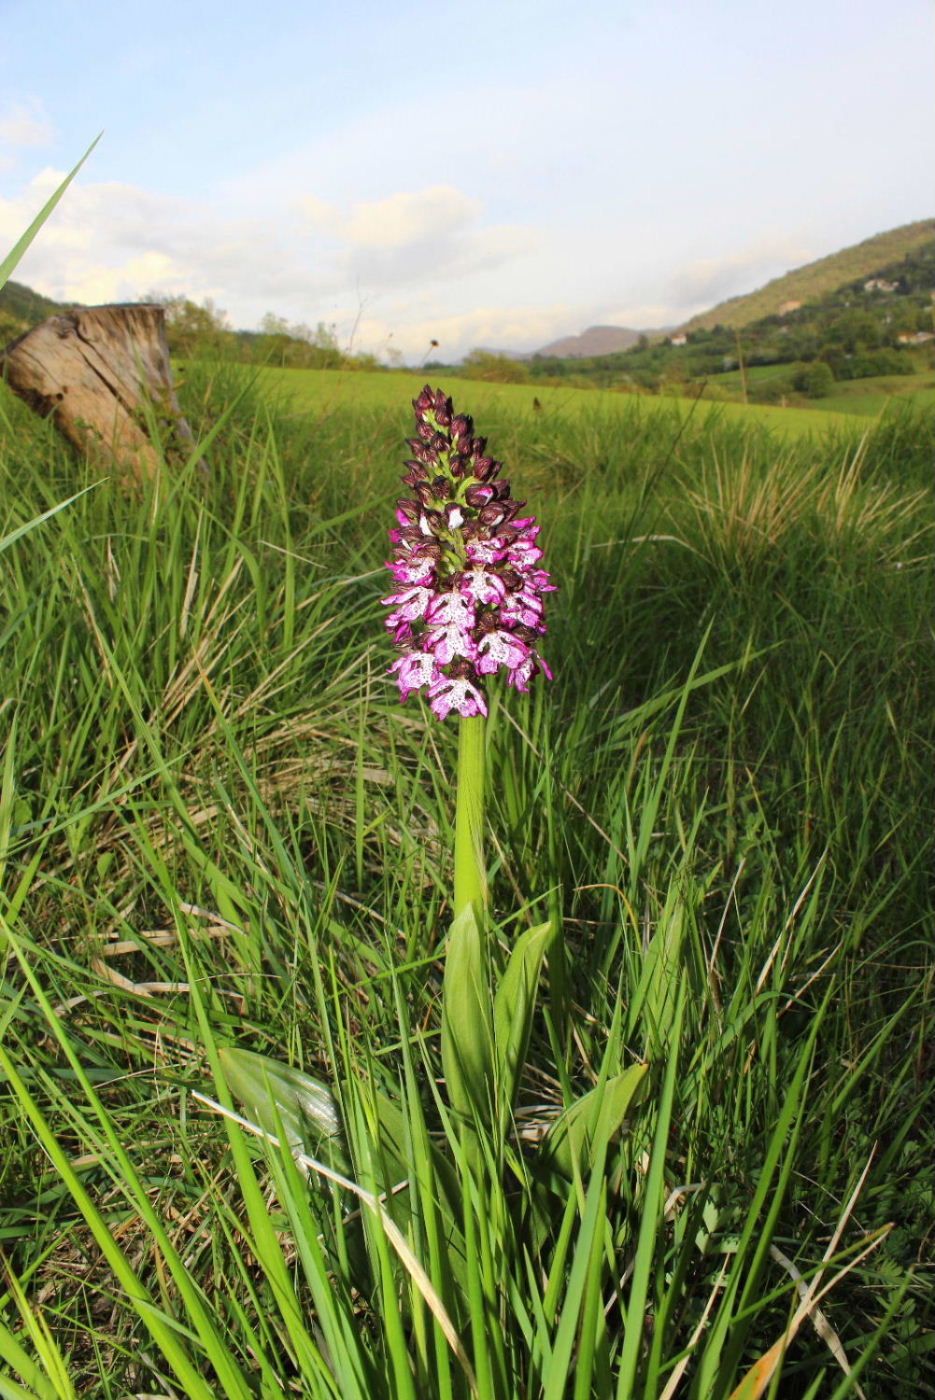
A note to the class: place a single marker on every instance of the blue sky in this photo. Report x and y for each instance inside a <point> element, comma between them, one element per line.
<point>490,174</point>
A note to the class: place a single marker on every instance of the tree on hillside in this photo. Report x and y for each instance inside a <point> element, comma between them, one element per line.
<point>193,329</point>
<point>496,369</point>
<point>818,380</point>
<point>296,345</point>
<point>853,329</point>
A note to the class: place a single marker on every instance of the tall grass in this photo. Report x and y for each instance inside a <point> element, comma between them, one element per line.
<point>218,828</point>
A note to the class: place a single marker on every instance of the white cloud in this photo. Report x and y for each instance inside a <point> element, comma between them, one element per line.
<point>392,274</point>
<point>709,280</point>
<point>389,265</point>
<point>406,219</point>
<point>25,124</point>
<point>112,240</point>
<point>414,238</point>
<point>490,327</point>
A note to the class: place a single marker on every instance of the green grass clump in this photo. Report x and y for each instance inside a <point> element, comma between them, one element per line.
<point>219,828</point>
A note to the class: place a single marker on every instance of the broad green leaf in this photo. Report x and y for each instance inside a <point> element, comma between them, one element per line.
<point>467,1032</point>
<point>583,1131</point>
<point>13,257</point>
<point>513,1008</point>
<point>282,1099</point>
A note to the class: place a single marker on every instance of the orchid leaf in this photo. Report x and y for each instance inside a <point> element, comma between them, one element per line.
<point>394,1132</point>
<point>467,1032</point>
<point>583,1131</point>
<point>283,1099</point>
<point>513,1009</point>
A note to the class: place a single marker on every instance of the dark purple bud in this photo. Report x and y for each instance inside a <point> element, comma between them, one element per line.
<point>462,427</point>
<point>510,578</point>
<point>416,472</point>
<point>484,468</point>
<point>409,508</point>
<point>422,453</point>
<point>478,445</point>
<point>435,521</point>
<point>478,495</point>
<point>460,666</point>
<point>492,514</point>
<point>487,622</point>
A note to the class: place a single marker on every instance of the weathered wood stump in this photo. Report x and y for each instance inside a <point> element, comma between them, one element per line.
<point>103,373</point>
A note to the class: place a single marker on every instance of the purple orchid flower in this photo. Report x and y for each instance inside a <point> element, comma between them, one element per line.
<point>468,597</point>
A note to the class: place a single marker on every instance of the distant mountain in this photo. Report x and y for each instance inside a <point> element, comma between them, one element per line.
<point>596,340</point>
<point>817,279</point>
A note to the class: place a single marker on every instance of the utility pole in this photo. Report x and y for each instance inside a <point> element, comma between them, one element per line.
<point>743,368</point>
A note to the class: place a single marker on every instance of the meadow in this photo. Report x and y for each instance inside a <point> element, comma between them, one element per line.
<point>327,392</point>
<point>221,832</point>
<point>870,397</point>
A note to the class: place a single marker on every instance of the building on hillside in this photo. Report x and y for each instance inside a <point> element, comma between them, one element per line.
<point>879,284</point>
<point>678,340</point>
<point>916,337</point>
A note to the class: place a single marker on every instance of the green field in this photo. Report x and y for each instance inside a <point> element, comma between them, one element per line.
<point>221,832</point>
<point>335,391</point>
<point>867,397</point>
<point>875,396</point>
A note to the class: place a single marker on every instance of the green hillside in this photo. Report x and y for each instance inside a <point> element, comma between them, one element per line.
<point>874,330</point>
<point>818,278</point>
<point>21,308</point>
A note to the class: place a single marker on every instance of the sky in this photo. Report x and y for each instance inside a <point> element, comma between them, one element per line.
<point>488,174</point>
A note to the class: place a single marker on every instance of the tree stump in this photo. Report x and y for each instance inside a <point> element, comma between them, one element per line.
<point>103,373</point>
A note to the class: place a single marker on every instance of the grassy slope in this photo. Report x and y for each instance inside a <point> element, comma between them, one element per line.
<point>868,397</point>
<point>824,275</point>
<point>876,395</point>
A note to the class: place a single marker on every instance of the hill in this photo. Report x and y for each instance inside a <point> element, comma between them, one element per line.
<point>596,340</point>
<point>818,278</point>
<point>872,334</point>
<point>21,308</point>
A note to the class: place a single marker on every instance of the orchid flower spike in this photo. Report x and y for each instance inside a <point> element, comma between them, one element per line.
<point>468,595</point>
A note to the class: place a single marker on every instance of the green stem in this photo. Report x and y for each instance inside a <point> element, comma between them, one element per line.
<point>470,867</point>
